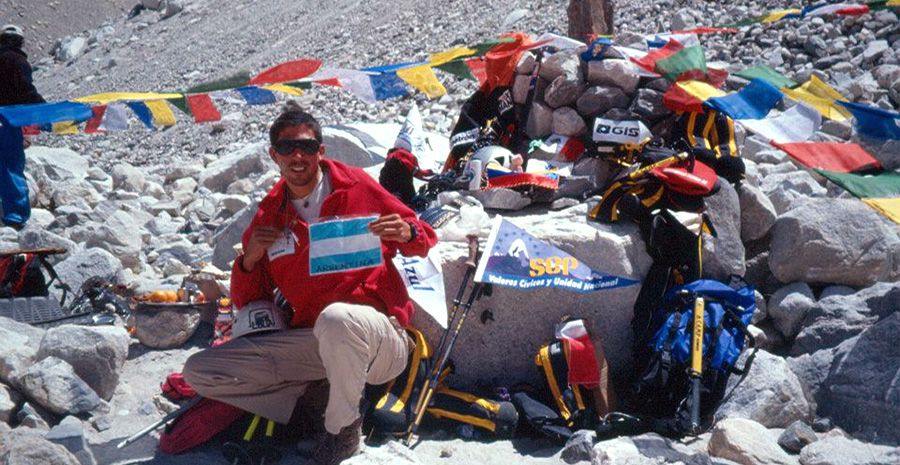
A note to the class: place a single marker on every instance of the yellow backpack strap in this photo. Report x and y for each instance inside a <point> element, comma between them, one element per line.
<point>542,359</point>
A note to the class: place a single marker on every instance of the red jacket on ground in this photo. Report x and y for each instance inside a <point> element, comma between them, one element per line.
<point>353,192</point>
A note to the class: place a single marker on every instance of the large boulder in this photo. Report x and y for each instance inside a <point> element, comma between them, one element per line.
<point>229,236</point>
<point>27,446</point>
<point>69,433</point>
<point>9,403</point>
<point>247,160</point>
<point>19,344</point>
<point>771,394</point>
<point>600,99</point>
<point>54,169</point>
<point>839,450</point>
<point>565,63</point>
<point>128,178</point>
<point>785,188</point>
<point>117,235</point>
<point>97,354</point>
<point>502,350</point>
<point>788,307</point>
<point>861,392</point>
<point>87,263</point>
<point>757,213</point>
<point>723,255</point>
<point>618,73</point>
<point>839,317</point>
<point>840,241</point>
<point>746,442</point>
<point>53,384</point>
<point>562,91</point>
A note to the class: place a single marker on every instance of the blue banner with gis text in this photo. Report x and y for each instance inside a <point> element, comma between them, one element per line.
<point>514,258</point>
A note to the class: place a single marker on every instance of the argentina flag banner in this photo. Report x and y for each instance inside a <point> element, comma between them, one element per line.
<point>343,245</point>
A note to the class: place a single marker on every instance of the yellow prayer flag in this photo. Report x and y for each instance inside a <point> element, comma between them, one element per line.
<point>65,127</point>
<point>778,15</point>
<point>107,97</point>
<point>449,55</point>
<point>893,3</point>
<point>285,89</point>
<point>162,114</point>
<point>819,95</point>
<point>699,89</point>
<point>887,207</point>
<point>423,79</point>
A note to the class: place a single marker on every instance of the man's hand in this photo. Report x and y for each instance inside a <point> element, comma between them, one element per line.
<point>25,143</point>
<point>261,239</point>
<point>391,228</point>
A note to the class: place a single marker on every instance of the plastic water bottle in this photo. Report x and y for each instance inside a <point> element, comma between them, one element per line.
<point>473,169</point>
<point>224,320</point>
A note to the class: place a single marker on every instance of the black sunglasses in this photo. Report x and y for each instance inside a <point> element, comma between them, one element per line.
<point>289,146</point>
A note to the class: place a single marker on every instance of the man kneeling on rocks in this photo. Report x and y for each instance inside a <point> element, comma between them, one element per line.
<point>347,327</point>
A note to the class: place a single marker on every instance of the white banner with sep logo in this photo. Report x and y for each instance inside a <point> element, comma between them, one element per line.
<point>619,132</point>
<point>424,280</point>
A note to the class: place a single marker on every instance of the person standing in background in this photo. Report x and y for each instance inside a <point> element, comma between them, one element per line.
<point>16,88</point>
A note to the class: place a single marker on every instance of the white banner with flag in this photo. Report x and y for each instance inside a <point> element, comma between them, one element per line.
<point>424,280</point>
<point>517,259</point>
<point>343,244</point>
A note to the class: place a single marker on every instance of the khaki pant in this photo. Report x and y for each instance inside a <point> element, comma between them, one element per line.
<point>350,345</point>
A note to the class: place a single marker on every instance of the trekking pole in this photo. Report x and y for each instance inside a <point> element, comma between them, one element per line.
<point>640,172</point>
<point>443,357</point>
<point>697,363</point>
<point>161,422</point>
<point>470,271</point>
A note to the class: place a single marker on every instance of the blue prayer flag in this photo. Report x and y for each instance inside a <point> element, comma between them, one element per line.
<point>875,122</point>
<point>45,113</point>
<point>753,101</point>
<point>388,85</point>
<point>257,96</point>
<point>142,112</point>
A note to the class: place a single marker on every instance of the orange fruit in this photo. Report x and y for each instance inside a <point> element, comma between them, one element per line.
<point>158,296</point>
<point>170,296</point>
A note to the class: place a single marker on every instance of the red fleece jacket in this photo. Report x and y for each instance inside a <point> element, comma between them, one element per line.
<point>353,192</point>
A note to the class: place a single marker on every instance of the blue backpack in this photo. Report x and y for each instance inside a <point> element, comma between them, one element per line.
<point>661,389</point>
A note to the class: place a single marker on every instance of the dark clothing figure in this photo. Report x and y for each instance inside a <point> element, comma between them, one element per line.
<point>16,88</point>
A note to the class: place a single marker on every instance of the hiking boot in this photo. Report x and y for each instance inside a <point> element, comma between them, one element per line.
<point>308,418</point>
<point>335,448</point>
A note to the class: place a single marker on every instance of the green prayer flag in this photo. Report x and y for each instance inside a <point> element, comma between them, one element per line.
<point>181,104</point>
<point>882,185</point>
<point>238,79</point>
<point>484,47</point>
<point>768,74</point>
<point>458,68</point>
<point>687,59</point>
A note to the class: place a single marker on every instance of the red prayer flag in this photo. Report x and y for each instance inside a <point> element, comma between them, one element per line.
<point>477,68</point>
<point>203,109</point>
<point>677,100</point>
<point>707,30</point>
<point>831,156</point>
<point>93,125</point>
<point>501,60</point>
<point>648,61</point>
<point>286,72</point>
<point>32,130</point>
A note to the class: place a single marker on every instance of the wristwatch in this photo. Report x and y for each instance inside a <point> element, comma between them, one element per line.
<point>412,232</point>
